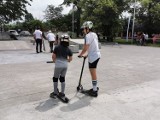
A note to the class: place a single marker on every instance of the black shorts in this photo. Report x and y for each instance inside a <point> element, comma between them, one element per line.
<point>94,64</point>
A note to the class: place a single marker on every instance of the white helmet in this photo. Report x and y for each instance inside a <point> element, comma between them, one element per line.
<point>64,40</point>
<point>65,37</point>
<point>87,24</point>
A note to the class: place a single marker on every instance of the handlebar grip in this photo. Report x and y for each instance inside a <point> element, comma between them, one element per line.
<point>82,57</point>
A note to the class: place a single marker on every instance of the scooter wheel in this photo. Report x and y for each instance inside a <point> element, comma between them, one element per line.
<point>79,88</point>
<point>66,100</point>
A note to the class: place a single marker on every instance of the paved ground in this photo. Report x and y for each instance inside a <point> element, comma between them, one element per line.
<point>128,77</point>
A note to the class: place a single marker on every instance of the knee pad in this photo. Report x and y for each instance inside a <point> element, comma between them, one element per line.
<point>62,79</point>
<point>55,79</point>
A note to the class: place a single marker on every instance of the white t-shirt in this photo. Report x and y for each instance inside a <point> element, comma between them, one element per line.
<point>91,39</point>
<point>51,36</point>
<point>38,34</point>
<point>146,36</point>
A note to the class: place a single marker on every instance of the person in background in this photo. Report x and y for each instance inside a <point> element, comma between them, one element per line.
<point>51,39</point>
<point>146,36</point>
<point>38,39</point>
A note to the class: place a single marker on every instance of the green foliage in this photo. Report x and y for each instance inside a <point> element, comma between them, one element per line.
<point>62,24</point>
<point>148,17</point>
<point>12,9</point>
<point>28,17</point>
<point>55,19</point>
<point>105,15</point>
<point>32,25</point>
<point>123,41</point>
<point>77,4</point>
<point>53,12</point>
<point>27,25</point>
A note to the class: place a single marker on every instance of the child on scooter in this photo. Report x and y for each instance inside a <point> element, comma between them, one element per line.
<point>61,56</point>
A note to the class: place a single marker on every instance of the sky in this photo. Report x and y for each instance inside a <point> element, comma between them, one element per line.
<point>38,6</point>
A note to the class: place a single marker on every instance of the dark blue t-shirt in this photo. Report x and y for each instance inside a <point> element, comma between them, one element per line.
<point>62,52</point>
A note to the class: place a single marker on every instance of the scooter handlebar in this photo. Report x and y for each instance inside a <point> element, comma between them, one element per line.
<point>82,57</point>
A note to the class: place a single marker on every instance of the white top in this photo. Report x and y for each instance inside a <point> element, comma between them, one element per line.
<point>146,36</point>
<point>91,39</point>
<point>51,36</point>
<point>38,34</point>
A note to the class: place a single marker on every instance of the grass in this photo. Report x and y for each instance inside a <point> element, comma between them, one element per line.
<point>123,41</point>
<point>129,42</point>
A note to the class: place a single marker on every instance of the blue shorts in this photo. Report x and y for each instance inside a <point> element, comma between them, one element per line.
<point>94,64</point>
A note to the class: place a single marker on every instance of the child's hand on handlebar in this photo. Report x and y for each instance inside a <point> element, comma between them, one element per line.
<point>80,56</point>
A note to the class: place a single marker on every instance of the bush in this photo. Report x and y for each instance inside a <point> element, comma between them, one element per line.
<point>149,42</point>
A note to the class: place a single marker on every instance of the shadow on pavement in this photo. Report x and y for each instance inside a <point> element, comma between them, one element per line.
<point>75,104</point>
<point>47,105</point>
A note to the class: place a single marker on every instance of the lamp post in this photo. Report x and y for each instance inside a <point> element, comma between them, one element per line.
<point>129,19</point>
<point>133,20</point>
<point>73,20</point>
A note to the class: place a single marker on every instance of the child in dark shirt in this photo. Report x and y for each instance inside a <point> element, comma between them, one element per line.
<point>61,56</point>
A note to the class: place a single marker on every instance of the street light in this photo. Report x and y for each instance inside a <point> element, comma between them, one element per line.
<point>133,20</point>
<point>73,21</point>
<point>129,19</point>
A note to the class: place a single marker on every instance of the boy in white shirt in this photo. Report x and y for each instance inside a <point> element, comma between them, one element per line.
<point>38,39</point>
<point>91,46</point>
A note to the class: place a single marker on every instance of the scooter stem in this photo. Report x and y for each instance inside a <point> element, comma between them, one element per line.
<point>84,58</point>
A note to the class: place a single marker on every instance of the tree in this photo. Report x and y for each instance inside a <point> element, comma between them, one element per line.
<point>76,3</point>
<point>53,12</point>
<point>105,14</point>
<point>61,24</point>
<point>55,19</point>
<point>28,17</point>
<point>12,9</point>
<point>147,16</point>
<point>32,25</point>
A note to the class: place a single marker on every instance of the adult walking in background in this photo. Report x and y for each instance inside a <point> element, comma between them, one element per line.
<point>91,46</point>
<point>51,39</point>
<point>38,39</point>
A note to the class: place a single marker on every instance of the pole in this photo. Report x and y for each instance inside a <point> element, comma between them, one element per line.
<point>72,21</point>
<point>129,19</point>
<point>133,20</point>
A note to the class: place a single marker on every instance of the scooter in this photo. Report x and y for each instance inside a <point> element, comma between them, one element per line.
<point>80,87</point>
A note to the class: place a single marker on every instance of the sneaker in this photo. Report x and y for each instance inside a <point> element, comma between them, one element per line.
<point>53,95</point>
<point>61,95</point>
<point>93,93</point>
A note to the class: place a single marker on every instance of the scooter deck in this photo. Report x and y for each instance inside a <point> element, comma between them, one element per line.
<point>64,99</point>
<point>85,92</point>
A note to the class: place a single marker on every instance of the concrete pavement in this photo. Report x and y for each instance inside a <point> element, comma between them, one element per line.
<point>128,77</point>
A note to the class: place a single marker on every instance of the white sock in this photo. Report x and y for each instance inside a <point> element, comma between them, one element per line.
<point>94,83</point>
